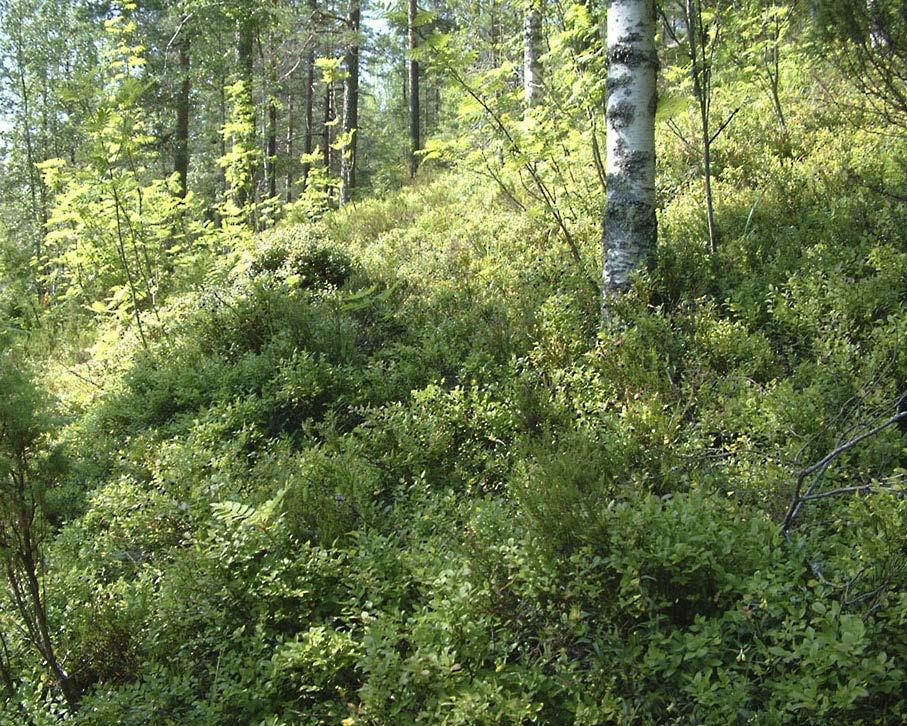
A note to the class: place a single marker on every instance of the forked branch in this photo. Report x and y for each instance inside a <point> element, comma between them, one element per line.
<point>800,497</point>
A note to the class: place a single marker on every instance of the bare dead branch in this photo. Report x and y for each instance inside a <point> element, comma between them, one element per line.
<point>820,466</point>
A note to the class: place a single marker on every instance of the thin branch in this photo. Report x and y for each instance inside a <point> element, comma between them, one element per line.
<point>853,442</point>
<point>84,379</point>
<point>667,26</point>
<point>527,165</point>
<point>862,489</point>
<point>675,129</point>
<point>724,125</point>
<point>185,19</point>
<point>290,72</point>
<point>820,466</point>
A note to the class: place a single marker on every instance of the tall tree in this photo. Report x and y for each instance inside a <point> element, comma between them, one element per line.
<point>181,134</point>
<point>532,51</point>
<point>630,224</point>
<point>328,115</point>
<point>41,55</point>
<point>309,92</point>
<point>245,46</point>
<point>414,125</point>
<point>350,103</point>
<point>271,147</point>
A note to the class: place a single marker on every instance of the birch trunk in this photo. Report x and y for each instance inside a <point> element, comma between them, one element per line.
<point>532,51</point>
<point>630,225</point>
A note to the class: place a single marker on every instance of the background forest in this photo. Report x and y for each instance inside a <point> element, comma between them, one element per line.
<point>311,411</point>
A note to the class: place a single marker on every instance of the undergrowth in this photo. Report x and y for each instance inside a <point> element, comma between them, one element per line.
<point>388,468</point>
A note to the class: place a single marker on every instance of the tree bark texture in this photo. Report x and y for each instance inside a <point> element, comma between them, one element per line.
<point>415,142</point>
<point>630,225</point>
<point>181,135</point>
<point>289,176</point>
<point>350,105</point>
<point>271,160</point>
<point>309,92</point>
<point>532,51</point>
<point>328,114</point>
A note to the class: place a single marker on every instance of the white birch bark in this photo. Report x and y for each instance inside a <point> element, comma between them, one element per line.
<point>630,225</point>
<point>532,51</point>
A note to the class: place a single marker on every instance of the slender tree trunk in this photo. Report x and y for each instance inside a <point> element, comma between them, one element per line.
<point>271,147</point>
<point>309,92</point>
<point>415,142</point>
<point>350,106</point>
<point>709,198</point>
<point>45,135</point>
<point>330,113</point>
<point>181,135</point>
<point>776,100</point>
<point>532,51</point>
<point>271,165</point>
<point>222,174</point>
<point>68,75</point>
<point>437,93</point>
<point>25,100</point>
<point>493,32</point>
<point>494,42</point>
<point>630,225</point>
<point>774,74</point>
<point>6,673</point>
<point>700,73</point>
<point>69,689</point>
<point>38,212</point>
<point>245,48</point>
<point>291,162</point>
<point>328,118</point>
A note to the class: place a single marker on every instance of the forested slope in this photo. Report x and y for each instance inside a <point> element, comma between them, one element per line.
<point>387,468</point>
<point>281,444</point>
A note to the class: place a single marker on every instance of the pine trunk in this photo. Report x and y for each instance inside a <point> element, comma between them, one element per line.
<point>350,105</point>
<point>309,92</point>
